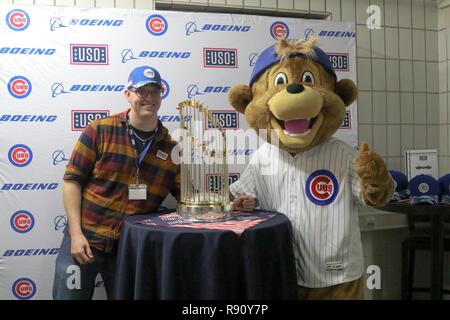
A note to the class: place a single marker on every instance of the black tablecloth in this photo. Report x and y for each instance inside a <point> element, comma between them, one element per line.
<point>160,262</point>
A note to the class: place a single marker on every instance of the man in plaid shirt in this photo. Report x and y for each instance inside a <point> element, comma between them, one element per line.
<point>121,165</point>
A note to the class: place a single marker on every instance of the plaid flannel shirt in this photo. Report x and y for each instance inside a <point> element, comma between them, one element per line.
<point>103,163</point>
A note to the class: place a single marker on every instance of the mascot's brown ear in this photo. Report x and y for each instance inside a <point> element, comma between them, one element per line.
<point>240,96</point>
<point>346,89</point>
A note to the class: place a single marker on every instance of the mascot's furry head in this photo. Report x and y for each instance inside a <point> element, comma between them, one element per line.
<point>293,90</point>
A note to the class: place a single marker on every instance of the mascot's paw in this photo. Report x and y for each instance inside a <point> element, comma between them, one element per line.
<point>376,184</point>
<point>370,166</point>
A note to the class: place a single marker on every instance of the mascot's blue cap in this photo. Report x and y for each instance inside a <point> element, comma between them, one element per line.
<point>269,57</point>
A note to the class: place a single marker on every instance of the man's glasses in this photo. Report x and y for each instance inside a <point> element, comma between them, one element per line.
<point>144,92</point>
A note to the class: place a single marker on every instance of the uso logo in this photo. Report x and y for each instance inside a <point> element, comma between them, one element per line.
<point>165,88</point>
<point>24,288</point>
<point>220,58</point>
<point>214,181</point>
<point>227,119</point>
<point>347,123</point>
<point>93,54</point>
<point>17,20</point>
<point>81,118</point>
<point>339,61</point>
<point>20,155</point>
<point>322,187</point>
<point>19,87</point>
<point>156,24</point>
<point>279,30</point>
<point>22,221</point>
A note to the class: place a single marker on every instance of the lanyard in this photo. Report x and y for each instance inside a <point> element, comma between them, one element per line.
<point>138,160</point>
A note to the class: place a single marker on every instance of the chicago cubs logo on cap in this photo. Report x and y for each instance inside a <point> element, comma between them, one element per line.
<point>423,187</point>
<point>322,187</point>
<point>17,20</point>
<point>20,155</point>
<point>24,288</point>
<point>22,221</point>
<point>279,30</point>
<point>156,24</point>
<point>149,73</point>
<point>19,87</point>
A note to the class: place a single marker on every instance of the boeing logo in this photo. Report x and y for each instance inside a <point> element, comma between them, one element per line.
<point>172,118</point>
<point>127,55</point>
<point>58,156</point>
<point>193,90</point>
<point>28,186</point>
<point>27,51</point>
<point>58,88</point>
<point>191,28</point>
<point>309,32</point>
<point>30,252</point>
<point>337,34</point>
<point>60,222</point>
<point>57,22</point>
<point>27,118</point>
<point>252,58</point>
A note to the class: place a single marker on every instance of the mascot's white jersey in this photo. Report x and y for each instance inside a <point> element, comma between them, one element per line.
<point>318,190</point>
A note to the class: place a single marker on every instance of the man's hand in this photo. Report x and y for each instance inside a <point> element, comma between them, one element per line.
<point>81,250</point>
<point>245,203</point>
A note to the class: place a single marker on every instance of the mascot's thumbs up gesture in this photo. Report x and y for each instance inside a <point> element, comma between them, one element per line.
<point>376,184</point>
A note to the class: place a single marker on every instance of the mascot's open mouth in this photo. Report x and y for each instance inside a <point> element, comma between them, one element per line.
<point>297,127</point>
<point>297,133</point>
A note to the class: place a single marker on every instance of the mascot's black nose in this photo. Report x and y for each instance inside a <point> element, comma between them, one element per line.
<point>295,88</point>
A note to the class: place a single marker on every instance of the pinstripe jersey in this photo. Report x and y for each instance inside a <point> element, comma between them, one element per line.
<point>318,190</point>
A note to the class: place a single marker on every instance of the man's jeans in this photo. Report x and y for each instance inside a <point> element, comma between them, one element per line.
<point>77,282</point>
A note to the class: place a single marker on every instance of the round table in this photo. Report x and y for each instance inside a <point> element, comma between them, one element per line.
<point>166,262</point>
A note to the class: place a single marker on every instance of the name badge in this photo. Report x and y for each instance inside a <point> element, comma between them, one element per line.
<point>162,155</point>
<point>137,192</point>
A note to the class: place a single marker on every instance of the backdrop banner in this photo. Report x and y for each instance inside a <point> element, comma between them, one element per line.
<point>62,67</point>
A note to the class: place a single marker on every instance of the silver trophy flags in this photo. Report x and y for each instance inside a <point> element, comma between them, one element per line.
<point>203,168</point>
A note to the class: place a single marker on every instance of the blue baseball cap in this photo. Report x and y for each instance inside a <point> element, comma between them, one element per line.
<point>143,75</point>
<point>401,185</point>
<point>423,189</point>
<point>444,184</point>
<point>269,57</point>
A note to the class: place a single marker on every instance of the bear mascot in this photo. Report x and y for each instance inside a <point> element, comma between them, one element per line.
<point>313,178</point>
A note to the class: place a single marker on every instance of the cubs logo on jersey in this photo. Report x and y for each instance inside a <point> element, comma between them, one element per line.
<point>322,187</point>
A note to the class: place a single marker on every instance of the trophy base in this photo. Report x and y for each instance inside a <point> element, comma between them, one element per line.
<point>206,213</point>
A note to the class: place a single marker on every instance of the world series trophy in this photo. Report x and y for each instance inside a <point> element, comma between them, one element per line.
<point>203,168</point>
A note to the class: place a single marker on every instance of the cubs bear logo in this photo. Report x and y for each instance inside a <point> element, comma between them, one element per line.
<point>322,187</point>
